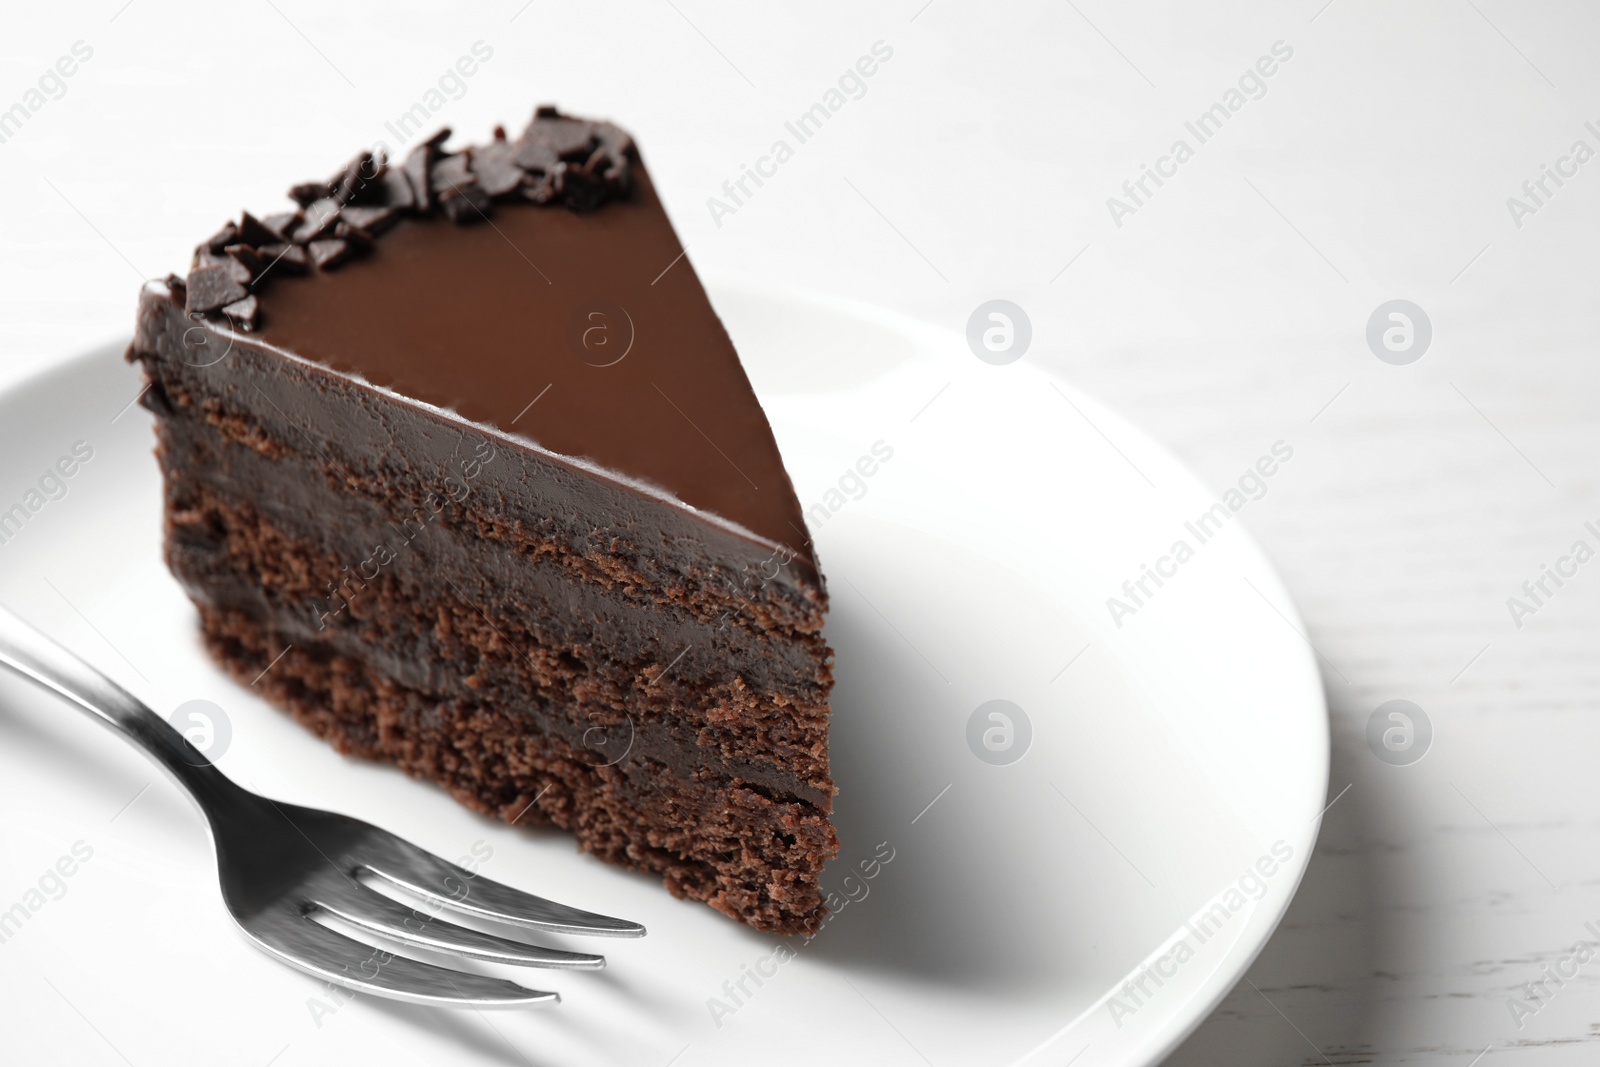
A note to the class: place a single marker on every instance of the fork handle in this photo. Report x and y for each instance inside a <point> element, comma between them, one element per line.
<point>36,657</point>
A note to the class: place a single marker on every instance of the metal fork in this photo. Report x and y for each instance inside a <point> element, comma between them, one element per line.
<point>282,864</point>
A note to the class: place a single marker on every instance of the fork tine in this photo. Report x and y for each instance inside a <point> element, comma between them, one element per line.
<point>309,946</point>
<point>377,913</point>
<point>446,885</point>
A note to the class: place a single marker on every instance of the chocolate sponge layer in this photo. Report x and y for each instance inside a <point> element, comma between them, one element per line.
<point>713,838</point>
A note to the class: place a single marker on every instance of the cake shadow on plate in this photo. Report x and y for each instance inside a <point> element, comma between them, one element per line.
<point>944,909</point>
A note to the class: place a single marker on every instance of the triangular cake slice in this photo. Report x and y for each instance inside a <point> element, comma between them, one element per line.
<point>462,470</point>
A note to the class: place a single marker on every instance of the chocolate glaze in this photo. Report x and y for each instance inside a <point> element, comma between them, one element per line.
<point>487,319</point>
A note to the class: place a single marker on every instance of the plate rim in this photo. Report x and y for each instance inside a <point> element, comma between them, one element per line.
<point>1241,959</point>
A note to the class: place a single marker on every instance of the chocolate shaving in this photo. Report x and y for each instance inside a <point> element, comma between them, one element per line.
<point>291,259</point>
<point>556,159</point>
<point>614,139</point>
<point>234,269</point>
<point>570,139</point>
<point>397,190</point>
<point>467,203</point>
<point>581,190</point>
<point>307,192</point>
<point>610,160</point>
<point>544,188</point>
<point>359,239</point>
<point>497,173</point>
<point>581,164</point>
<point>253,232</point>
<point>535,155</point>
<point>457,189</point>
<point>229,234</point>
<point>451,172</point>
<point>371,219</point>
<point>419,167</point>
<point>243,313</point>
<point>247,258</point>
<point>210,288</point>
<point>342,186</point>
<point>330,253</point>
<point>360,182</point>
<point>320,217</point>
<point>283,224</point>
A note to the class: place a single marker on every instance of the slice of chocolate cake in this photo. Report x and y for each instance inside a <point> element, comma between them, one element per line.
<point>462,469</point>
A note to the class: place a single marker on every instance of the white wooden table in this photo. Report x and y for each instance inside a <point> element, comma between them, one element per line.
<point>1223,309</point>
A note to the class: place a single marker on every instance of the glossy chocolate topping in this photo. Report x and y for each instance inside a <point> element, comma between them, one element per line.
<point>492,318</point>
<point>585,331</point>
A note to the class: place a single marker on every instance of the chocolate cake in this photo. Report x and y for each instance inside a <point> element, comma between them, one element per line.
<point>462,469</point>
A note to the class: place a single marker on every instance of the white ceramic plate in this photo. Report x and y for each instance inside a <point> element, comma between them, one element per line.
<point>1045,910</point>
